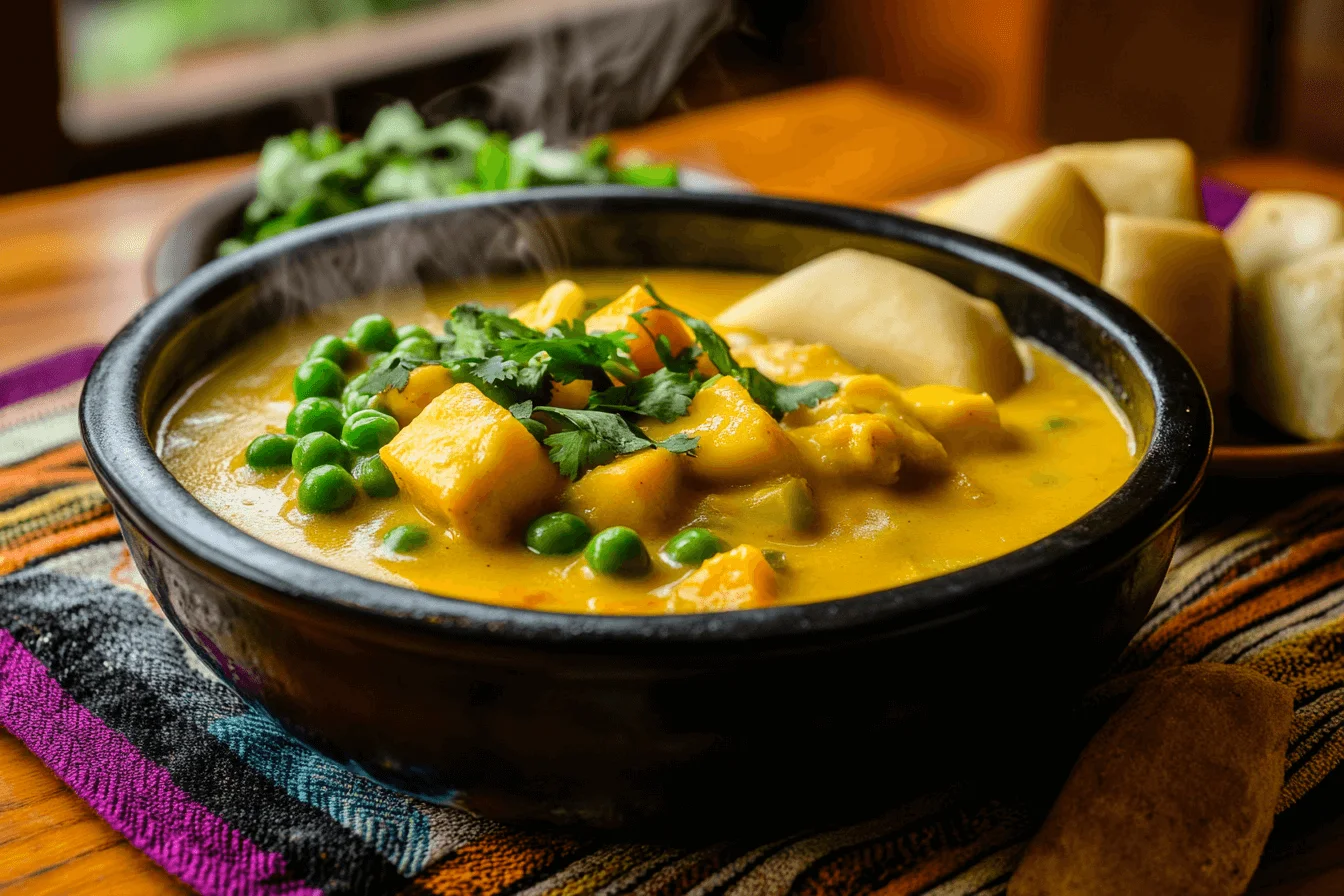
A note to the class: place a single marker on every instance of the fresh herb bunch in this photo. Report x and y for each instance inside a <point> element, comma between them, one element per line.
<point>313,175</point>
<point>518,367</point>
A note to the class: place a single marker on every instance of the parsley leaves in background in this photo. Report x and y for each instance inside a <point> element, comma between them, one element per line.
<point>309,176</point>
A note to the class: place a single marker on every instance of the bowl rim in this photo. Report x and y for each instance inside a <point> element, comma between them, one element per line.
<point>1157,491</point>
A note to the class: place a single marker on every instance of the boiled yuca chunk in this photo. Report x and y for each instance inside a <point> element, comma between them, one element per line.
<point>888,318</point>
<point>1156,178</point>
<point>467,461</point>
<point>1291,346</point>
<point>1038,205</point>
<point>1177,274</point>
<point>1279,226</point>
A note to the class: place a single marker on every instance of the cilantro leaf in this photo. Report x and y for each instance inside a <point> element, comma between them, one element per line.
<point>680,443</point>
<point>590,438</point>
<point>664,394</point>
<point>577,450</point>
<point>776,398</point>
<point>393,372</point>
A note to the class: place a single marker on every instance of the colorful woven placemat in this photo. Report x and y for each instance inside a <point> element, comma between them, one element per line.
<point>94,682</point>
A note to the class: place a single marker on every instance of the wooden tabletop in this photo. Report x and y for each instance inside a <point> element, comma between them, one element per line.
<point>72,271</point>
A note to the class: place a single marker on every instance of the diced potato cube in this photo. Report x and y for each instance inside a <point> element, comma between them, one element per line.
<point>852,446</point>
<point>423,385</point>
<point>637,490</point>
<point>1139,177</point>
<point>652,323</point>
<point>955,415</point>
<point>733,580</point>
<point>571,395</point>
<point>739,441</point>
<point>781,508</point>
<point>872,394</point>
<point>1039,205</point>
<point>468,462</point>
<point>888,318</point>
<point>788,362</point>
<point>562,300</point>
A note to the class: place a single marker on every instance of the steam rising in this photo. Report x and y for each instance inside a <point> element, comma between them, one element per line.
<point>570,82</point>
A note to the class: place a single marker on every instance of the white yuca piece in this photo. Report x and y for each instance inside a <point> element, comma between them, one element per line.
<point>1038,205</point>
<point>1156,178</point>
<point>888,318</point>
<point>1280,226</point>
<point>1177,274</point>
<point>1291,346</point>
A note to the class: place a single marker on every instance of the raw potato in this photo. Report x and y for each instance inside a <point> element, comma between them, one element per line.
<point>1279,227</point>
<point>1177,274</point>
<point>888,318</point>
<point>1156,178</point>
<point>1174,796</point>
<point>1038,205</point>
<point>1290,336</point>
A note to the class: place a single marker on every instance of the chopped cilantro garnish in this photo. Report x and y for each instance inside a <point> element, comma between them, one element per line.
<point>663,394</point>
<point>591,438</point>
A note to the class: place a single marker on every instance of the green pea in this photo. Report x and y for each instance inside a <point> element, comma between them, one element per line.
<point>318,378</point>
<point>416,331</point>
<point>318,449</point>
<point>618,552</point>
<point>373,333</point>
<point>406,539</point>
<point>333,348</point>
<point>374,477</point>
<point>694,546</point>
<point>369,430</point>
<point>315,415</point>
<point>269,451</point>
<point>354,402</point>
<point>417,347</point>
<point>557,533</point>
<point>326,489</point>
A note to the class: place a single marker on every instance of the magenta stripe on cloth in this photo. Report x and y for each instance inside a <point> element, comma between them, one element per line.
<point>46,374</point>
<point>137,797</point>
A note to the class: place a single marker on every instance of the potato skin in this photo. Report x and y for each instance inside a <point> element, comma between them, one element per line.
<point>1175,795</point>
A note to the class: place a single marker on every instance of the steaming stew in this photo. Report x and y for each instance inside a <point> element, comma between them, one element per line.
<point>663,476</point>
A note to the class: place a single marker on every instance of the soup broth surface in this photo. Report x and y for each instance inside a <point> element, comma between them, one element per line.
<point>1066,449</point>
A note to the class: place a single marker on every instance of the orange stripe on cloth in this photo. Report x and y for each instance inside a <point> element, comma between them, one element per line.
<point>493,863</point>
<point>105,526</point>
<point>1172,643</point>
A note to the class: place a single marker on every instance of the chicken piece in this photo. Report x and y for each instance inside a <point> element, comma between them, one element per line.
<point>734,580</point>
<point>637,490</point>
<point>562,300</point>
<point>852,446</point>
<point>869,393</point>
<point>468,462</point>
<point>788,362</point>
<point>424,384</point>
<point>637,313</point>
<point>739,441</point>
<point>955,415</point>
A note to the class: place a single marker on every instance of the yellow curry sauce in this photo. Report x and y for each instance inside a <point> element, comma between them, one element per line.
<point>1064,449</point>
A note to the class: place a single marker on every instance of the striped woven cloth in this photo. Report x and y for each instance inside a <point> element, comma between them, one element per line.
<point>94,682</point>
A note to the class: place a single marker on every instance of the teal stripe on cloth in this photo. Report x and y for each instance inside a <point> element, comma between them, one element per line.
<point>384,819</point>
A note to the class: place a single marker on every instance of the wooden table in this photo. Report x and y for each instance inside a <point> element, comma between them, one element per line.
<point>71,272</point>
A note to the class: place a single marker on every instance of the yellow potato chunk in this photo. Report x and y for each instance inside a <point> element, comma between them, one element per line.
<point>788,362</point>
<point>733,580</point>
<point>562,300</point>
<point>739,441</point>
<point>889,318</point>
<point>954,415</point>
<point>1156,178</point>
<point>1179,275</point>
<point>652,323</point>
<point>637,490</point>
<point>872,394</point>
<point>571,395</point>
<point>1039,205</point>
<point>467,461</point>
<point>422,386</point>
<point>1278,227</point>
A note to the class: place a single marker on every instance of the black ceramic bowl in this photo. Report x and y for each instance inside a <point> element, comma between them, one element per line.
<point>613,720</point>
